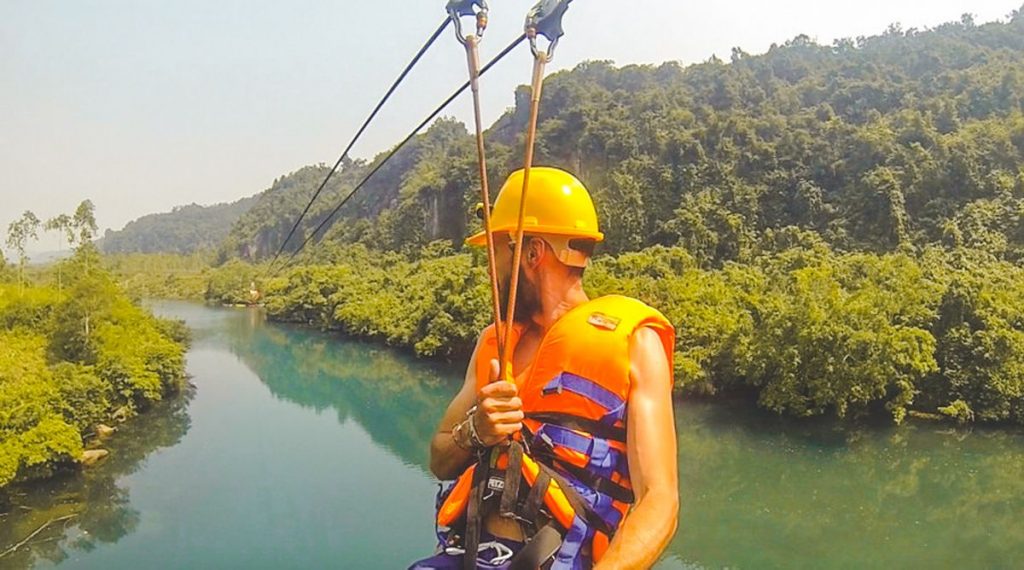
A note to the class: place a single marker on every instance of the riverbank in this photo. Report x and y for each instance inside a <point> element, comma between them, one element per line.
<point>47,520</point>
<point>76,357</point>
<point>811,331</point>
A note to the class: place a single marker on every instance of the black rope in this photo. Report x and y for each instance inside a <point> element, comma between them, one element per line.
<point>437,33</point>
<point>395,150</point>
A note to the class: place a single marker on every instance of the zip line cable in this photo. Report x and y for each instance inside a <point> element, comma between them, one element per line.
<point>508,49</point>
<point>401,77</point>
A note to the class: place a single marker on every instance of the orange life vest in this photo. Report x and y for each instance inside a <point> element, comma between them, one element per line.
<point>571,454</point>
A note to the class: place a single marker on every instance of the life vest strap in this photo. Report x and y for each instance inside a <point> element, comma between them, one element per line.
<point>572,543</point>
<point>542,448</point>
<point>600,484</point>
<point>581,507</point>
<point>580,423</point>
<point>600,455</point>
<point>614,406</point>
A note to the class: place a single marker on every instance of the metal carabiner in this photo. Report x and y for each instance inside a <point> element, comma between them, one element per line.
<point>458,9</point>
<point>545,19</point>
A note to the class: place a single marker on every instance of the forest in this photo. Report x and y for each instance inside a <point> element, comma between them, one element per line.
<point>75,352</point>
<point>879,144</point>
<point>833,229</point>
<point>806,330</point>
<point>183,230</point>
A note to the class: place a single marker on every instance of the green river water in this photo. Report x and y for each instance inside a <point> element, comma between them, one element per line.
<point>298,449</point>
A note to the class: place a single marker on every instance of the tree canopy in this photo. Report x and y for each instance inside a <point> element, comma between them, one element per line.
<point>74,355</point>
<point>184,230</point>
<point>885,143</point>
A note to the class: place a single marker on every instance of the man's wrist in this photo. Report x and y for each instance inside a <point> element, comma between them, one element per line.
<point>474,435</point>
<point>460,437</point>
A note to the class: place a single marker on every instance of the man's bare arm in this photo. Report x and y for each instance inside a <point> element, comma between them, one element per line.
<point>499,414</point>
<point>447,460</point>
<point>653,470</point>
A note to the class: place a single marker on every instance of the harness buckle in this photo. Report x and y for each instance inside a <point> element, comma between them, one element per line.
<point>553,387</point>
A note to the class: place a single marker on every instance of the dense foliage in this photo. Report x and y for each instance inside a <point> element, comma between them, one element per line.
<point>73,357</point>
<point>183,230</point>
<point>886,143</point>
<point>837,229</point>
<point>810,330</point>
<point>435,304</point>
<point>161,275</point>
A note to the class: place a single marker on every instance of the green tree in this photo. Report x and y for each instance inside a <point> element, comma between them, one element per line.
<point>84,222</point>
<point>62,224</point>
<point>19,232</point>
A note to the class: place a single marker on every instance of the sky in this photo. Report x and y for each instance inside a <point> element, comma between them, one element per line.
<point>141,105</point>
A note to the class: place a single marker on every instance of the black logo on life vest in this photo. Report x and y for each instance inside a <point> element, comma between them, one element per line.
<point>603,321</point>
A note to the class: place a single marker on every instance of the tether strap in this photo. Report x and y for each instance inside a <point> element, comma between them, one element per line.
<point>598,483</point>
<point>474,516</point>
<point>582,508</point>
<point>513,476</point>
<point>578,423</point>
<point>535,499</point>
<point>592,480</point>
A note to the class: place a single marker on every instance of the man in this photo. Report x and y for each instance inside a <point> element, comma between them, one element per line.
<point>584,428</point>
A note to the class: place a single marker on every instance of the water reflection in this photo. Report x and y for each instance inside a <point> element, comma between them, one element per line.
<point>763,492</point>
<point>93,507</point>
<point>395,398</point>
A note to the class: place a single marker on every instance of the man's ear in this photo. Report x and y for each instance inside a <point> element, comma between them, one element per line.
<point>535,252</point>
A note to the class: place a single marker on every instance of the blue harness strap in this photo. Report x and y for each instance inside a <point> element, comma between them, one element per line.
<point>614,406</point>
<point>602,504</point>
<point>604,460</point>
<point>570,555</point>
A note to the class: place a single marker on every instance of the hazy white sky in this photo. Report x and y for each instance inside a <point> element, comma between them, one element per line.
<point>142,105</point>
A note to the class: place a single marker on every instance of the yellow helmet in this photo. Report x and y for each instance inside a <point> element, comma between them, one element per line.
<point>557,204</point>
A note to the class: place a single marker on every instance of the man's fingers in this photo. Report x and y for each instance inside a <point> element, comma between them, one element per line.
<point>511,417</point>
<point>499,409</point>
<point>508,429</point>
<point>493,405</point>
<point>503,390</point>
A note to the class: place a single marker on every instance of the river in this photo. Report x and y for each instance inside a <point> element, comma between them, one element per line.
<point>298,449</point>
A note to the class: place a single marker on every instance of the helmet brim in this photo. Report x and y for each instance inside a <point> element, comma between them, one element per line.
<point>480,239</point>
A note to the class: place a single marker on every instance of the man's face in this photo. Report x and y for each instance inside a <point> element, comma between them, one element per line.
<point>527,294</point>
